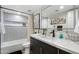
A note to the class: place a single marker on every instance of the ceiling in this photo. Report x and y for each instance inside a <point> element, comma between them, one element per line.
<point>25,8</point>
<point>55,10</point>
<point>47,11</point>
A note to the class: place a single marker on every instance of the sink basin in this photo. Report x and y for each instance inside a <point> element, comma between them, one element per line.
<point>77,42</point>
<point>42,36</point>
<point>46,37</point>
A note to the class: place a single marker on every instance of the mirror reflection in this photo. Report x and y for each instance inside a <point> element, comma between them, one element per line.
<point>55,17</point>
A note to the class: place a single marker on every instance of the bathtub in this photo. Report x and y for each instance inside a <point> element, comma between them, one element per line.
<point>12,46</point>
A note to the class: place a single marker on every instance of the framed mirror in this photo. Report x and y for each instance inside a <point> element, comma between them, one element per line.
<point>37,21</point>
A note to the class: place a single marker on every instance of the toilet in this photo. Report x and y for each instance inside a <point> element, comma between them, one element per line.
<point>26,48</point>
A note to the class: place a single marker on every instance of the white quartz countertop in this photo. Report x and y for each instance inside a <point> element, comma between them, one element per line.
<point>66,45</point>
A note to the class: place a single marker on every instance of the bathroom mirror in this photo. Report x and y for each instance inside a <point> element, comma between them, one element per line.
<point>59,15</point>
<point>36,21</point>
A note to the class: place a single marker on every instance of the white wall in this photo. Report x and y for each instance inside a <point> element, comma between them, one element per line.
<point>69,20</point>
<point>44,23</point>
<point>77,15</point>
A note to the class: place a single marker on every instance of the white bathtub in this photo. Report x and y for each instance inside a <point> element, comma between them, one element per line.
<point>11,46</point>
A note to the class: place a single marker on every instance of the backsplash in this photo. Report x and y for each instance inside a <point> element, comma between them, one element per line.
<point>72,35</point>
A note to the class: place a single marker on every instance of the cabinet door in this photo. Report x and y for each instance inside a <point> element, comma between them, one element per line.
<point>34,47</point>
<point>34,50</point>
<point>47,49</point>
<point>63,52</point>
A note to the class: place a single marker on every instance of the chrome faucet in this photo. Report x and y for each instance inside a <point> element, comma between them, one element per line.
<point>44,31</point>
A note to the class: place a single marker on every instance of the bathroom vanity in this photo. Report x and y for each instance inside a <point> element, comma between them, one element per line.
<point>46,45</point>
<point>38,47</point>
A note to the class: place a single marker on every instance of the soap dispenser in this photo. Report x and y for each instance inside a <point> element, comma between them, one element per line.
<point>53,35</point>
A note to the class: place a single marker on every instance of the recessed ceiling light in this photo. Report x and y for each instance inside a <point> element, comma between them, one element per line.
<point>61,7</point>
<point>18,13</point>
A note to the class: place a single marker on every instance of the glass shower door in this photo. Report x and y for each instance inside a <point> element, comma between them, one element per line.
<point>15,32</point>
<point>15,27</point>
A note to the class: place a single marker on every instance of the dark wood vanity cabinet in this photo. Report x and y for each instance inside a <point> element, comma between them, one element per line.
<point>38,47</point>
<point>63,52</point>
<point>47,49</point>
<point>34,47</point>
